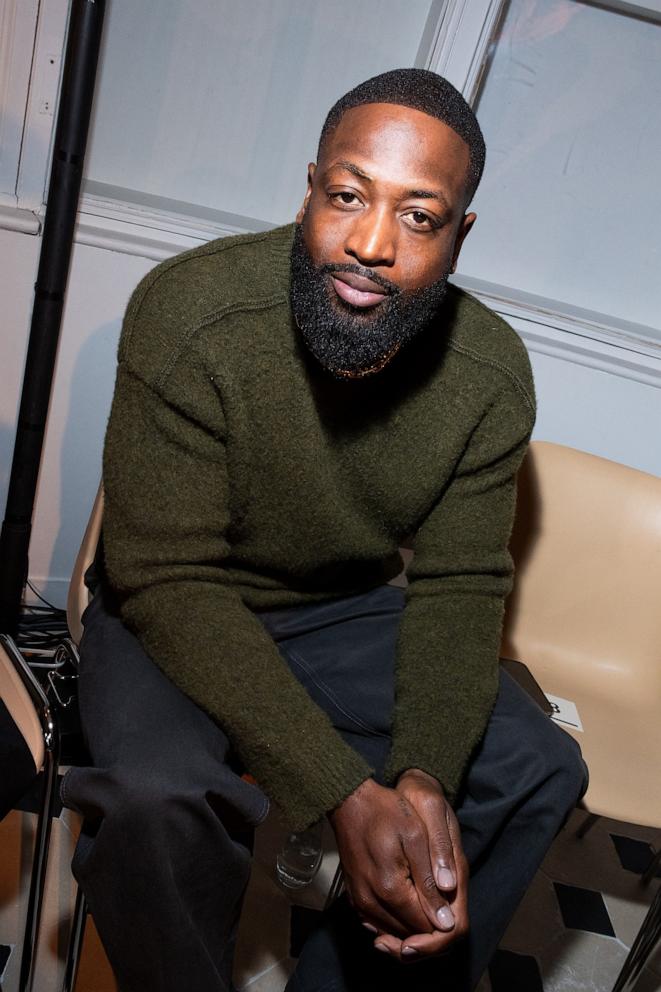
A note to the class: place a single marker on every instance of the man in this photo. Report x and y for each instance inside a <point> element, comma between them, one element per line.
<point>290,408</point>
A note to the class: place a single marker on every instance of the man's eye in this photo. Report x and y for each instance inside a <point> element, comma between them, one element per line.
<point>417,218</point>
<point>345,198</point>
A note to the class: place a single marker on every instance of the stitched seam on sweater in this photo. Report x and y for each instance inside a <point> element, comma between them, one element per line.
<point>463,350</point>
<point>211,318</point>
<point>328,692</point>
<point>223,244</point>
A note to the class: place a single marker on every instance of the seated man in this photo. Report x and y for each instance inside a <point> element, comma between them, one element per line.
<point>290,407</point>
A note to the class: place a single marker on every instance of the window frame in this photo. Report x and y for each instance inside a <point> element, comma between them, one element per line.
<point>455,43</point>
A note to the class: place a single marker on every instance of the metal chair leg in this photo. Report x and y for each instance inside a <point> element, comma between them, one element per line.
<point>652,868</point>
<point>336,887</point>
<point>38,875</point>
<point>75,942</point>
<point>642,948</point>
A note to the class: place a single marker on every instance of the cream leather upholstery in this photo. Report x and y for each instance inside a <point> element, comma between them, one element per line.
<point>78,596</point>
<point>21,709</point>
<point>585,615</point>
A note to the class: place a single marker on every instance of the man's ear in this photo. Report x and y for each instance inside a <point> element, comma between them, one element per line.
<point>308,193</point>
<point>466,224</point>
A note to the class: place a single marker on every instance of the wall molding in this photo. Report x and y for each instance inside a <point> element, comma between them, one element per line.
<point>548,327</point>
<point>573,334</point>
<point>14,218</point>
<point>152,227</point>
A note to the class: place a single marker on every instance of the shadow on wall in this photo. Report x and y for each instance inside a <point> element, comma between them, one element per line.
<point>7,435</point>
<point>90,396</point>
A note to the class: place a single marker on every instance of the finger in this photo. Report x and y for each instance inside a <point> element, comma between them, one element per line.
<point>436,908</point>
<point>402,904</point>
<point>388,944</point>
<point>460,859</point>
<point>416,947</point>
<point>374,911</point>
<point>440,821</point>
<point>427,945</point>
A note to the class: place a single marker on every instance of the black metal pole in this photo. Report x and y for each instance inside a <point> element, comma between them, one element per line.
<point>82,54</point>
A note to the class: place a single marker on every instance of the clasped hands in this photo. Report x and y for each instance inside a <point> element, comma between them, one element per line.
<point>404,868</point>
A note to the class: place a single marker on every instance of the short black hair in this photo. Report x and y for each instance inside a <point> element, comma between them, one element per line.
<point>422,90</point>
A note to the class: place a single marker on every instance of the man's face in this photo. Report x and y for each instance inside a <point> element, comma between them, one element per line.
<point>381,227</point>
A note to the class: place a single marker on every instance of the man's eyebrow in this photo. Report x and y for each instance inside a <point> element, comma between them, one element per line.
<point>422,194</point>
<point>352,168</point>
<point>427,194</point>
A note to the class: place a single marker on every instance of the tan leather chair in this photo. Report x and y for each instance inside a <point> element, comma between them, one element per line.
<point>36,721</point>
<point>585,617</point>
<point>79,595</point>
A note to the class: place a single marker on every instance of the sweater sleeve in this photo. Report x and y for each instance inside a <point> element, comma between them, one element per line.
<point>166,544</point>
<point>461,573</point>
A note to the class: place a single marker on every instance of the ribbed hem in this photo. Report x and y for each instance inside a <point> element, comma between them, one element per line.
<point>314,787</point>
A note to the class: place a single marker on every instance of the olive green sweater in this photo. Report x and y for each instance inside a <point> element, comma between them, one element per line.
<point>241,477</point>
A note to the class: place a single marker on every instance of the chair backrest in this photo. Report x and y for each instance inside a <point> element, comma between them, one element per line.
<point>585,614</point>
<point>20,705</point>
<point>78,596</point>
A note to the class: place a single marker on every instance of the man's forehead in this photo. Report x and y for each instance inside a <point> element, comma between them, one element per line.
<point>396,137</point>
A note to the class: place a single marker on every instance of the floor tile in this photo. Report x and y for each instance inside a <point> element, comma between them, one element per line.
<point>95,973</point>
<point>627,915</point>
<point>537,920</point>
<point>575,961</point>
<point>303,922</point>
<point>583,909</point>
<point>635,855</point>
<point>510,972</point>
<point>263,940</point>
<point>5,951</point>
<point>273,980</point>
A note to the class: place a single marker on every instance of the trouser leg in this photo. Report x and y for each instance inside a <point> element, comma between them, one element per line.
<point>522,783</point>
<point>163,858</point>
<point>165,871</point>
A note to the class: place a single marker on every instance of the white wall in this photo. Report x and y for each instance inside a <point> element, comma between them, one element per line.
<point>100,284</point>
<point>597,411</point>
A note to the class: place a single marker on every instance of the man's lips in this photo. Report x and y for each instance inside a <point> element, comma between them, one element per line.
<point>357,290</point>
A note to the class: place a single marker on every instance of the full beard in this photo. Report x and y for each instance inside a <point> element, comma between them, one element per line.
<point>351,342</point>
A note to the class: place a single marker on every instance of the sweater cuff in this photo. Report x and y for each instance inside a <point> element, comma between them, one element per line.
<point>319,789</point>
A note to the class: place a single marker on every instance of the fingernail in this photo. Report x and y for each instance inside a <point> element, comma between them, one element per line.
<point>445,918</point>
<point>382,947</point>
<point>368,926</point>
<point>445,878</point>
<point>408,952</point>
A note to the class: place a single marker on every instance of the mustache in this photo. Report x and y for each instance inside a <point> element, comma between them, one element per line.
<point>359,270</point>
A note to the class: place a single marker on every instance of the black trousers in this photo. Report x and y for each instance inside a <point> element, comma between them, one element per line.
<point>164,854</point>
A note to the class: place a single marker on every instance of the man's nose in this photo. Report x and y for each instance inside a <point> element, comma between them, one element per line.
<point>372,239</point>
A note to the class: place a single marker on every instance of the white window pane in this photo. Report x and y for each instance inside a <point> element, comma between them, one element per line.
<point>220,103</point>
<point>17,29</point>
<point>570,201</point>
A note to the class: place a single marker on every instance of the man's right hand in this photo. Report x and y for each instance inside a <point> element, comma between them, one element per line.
<point>385,853</point>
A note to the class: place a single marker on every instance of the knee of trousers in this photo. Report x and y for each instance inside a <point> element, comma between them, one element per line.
<point>557,765</point>
<point>142,808</point>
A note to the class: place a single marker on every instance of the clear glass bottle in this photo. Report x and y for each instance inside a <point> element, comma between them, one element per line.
<point>299,858</point>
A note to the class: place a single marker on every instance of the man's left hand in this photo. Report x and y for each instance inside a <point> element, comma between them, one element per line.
<point>448,861</point>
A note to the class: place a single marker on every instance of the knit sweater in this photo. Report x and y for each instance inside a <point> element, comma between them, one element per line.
<point>240,477</point>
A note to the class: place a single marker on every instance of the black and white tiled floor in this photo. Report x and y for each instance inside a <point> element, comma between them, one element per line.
<point>581,914</point>
<point>571,933</point>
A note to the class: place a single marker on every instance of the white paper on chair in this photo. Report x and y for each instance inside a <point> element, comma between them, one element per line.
<point>565,712</point>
